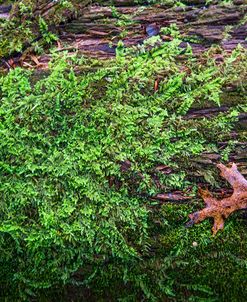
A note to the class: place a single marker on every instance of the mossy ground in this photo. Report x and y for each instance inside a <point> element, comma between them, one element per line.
<point>72,223</point>
<point>180,264</point>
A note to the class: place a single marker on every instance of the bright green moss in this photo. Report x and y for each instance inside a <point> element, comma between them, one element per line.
<point>70,213</point>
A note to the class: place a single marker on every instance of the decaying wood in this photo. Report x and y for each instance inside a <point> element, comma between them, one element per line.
<point>97,29</point>
<point>176,196</point>
<point>4,11</point>
<point>209,112</point>
<point>97,26</point>
<point>219,210</point>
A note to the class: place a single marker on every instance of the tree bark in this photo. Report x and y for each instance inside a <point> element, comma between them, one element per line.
<point>100,25</point>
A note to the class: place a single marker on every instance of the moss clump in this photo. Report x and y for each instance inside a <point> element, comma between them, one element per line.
<point>32,25</point>
<point>180,264</point>
<point>70,214</point>
<point>213,268</point>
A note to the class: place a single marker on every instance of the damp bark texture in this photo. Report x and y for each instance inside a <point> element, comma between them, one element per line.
<point>200,25</point>
<point>95,28</point>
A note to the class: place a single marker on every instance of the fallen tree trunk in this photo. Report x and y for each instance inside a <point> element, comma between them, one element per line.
<point>97,30</point>
<point>201,26</point>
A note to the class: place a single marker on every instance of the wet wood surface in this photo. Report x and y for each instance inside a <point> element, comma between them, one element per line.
<point>97,28</point>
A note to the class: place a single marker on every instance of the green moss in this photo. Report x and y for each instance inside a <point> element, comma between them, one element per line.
<point>72,214</point>
<point>181,264</point>
<point>217,263</point>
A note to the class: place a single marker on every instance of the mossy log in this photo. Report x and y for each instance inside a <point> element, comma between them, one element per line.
<point>97,29</point>
<point>202,26</point>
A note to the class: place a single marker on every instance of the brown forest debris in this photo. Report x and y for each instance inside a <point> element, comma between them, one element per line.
<point>173,196</point>
<point>219,210</point>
